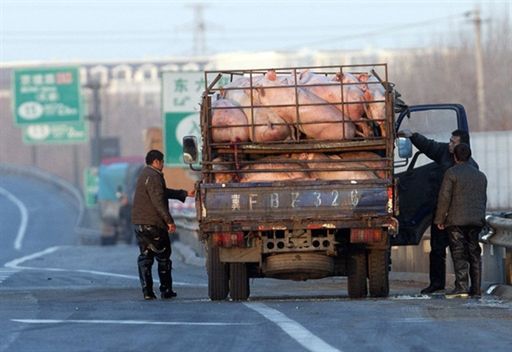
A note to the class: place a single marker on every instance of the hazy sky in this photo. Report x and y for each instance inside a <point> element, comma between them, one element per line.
<point>137,29</point>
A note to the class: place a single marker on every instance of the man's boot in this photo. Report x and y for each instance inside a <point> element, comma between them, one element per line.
<point>476,281</point>
<point>146,279</point>
<point>164,273</point>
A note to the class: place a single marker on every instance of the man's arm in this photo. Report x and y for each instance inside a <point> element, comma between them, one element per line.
<point>179,194</point>
<point>445,198</point>
<point>431,148</point>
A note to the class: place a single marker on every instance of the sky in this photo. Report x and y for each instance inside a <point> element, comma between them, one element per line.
<point>99,30</point>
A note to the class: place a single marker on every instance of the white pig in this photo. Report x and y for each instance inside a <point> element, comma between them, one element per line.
<point>264,124</point>
<point>229,123</point>
<point>315,118</point>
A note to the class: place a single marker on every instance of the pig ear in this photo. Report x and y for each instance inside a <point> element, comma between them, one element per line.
<point>303,73</point>
<point>362,77</point>
<point>271,75</point>
<point>338,77</point>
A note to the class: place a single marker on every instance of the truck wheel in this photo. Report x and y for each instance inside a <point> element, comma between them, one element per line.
<point>357,287</point>
<point>378,272</point>
<point>218,279</point>
<point>238,282</point>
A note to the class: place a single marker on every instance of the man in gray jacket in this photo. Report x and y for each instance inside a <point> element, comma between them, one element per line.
<point>153,224</point>
<point>442,154</point>
<point>461,211</point>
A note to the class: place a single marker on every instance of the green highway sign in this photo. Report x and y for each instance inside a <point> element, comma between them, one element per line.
<point>56,133</point>
<point>181,96</point>
<point>176,126</point>
<point>46,95</point>
<point>181,99</point>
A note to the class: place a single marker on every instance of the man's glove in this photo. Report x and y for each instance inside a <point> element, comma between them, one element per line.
<point>407,133</point>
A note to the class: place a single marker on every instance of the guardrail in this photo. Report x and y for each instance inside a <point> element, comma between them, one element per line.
<point>500,236</point>
<point>500,233</point>
<point>32,171</point>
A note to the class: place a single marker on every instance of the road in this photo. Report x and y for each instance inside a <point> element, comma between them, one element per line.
<point>56,295</point>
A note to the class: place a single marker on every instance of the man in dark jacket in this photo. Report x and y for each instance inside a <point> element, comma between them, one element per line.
<point>153,224</point>
<point>461,211</point>
<point>442,154</point>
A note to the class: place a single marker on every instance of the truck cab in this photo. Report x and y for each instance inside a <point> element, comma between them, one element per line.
<point>418,176</point>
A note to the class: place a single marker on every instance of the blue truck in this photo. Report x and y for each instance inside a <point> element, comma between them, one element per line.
<point>302,207</point>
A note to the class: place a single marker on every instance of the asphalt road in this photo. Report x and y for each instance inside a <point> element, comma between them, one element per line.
<point>56,295</point>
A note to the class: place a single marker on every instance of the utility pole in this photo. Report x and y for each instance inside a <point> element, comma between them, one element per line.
<point>95,117</point>
<point>480,89</point>
<point>199,29</point>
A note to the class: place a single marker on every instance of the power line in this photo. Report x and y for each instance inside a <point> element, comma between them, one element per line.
<point>380,32</point>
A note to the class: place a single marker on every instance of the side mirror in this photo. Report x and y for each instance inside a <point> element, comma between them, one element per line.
<point>189,150</point>
<point>404,147</point>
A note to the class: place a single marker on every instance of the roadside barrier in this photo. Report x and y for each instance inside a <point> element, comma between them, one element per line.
<point>498,242</point>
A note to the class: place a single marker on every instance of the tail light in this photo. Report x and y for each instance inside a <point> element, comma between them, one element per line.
<point>365,235</point>
<point>228,239</point>
<point>390,199</point>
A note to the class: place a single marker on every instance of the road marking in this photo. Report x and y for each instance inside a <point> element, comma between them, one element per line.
<point>122,322</point>
<point>6,273</point>
<point>295,330</point>
<point>15,264</point>
<point>24,217</point>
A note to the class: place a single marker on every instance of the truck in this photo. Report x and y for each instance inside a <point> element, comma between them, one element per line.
<point>117,178</point>
<point>329,195</point>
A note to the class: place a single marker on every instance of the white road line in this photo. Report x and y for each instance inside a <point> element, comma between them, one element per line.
<point>15,264</point>
<point>6,273</point>
<point>122,322</point>
<point>296,331</point>
<point>24,217</point>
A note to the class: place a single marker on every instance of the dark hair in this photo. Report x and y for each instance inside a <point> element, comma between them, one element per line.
<point>153,155</point>
<point>462,152</point>
<point>463,135</point>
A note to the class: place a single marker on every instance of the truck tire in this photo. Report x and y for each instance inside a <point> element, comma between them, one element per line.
<point>218,276</point>
<point>299,266</point>
<point>378,273</point>
<point>357,272</point>
<point>238,282</point>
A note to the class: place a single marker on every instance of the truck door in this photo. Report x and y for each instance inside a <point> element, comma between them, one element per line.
<point>419,177</point>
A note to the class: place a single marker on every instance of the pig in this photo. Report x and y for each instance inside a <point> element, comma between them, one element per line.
<point>351,103</point>
<point>315,118</point>
<point>375,96</point>
<point>371,160</point>
<point>229,123</point>
<point>319,165</point>
<point>265,125</point>
<point>284,170</point>
<point>221,171</point>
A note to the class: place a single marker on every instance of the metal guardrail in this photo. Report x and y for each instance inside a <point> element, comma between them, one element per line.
<point>42,175</point>
<point>500,230</point>
<point>500,235</point>
<point>187,229</point>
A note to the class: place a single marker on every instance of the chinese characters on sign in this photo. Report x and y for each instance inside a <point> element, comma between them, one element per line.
<point>46,95</point>
<point>181,98</point>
